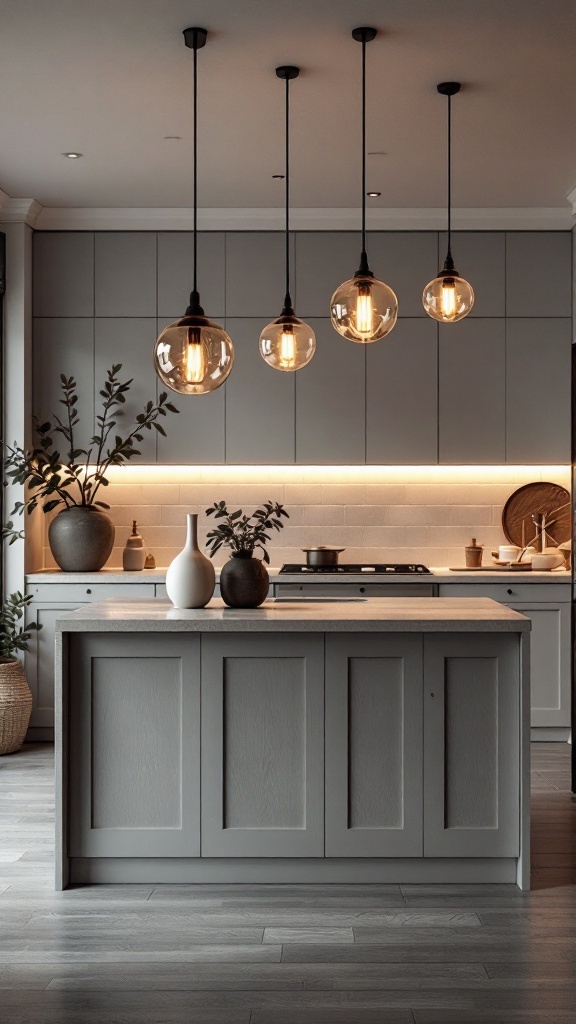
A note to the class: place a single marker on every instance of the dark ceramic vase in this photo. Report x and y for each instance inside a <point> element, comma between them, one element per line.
<point>243,581</point>
<point>81,538</point>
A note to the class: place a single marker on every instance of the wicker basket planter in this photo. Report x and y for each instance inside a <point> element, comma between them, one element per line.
<point>15,705</point>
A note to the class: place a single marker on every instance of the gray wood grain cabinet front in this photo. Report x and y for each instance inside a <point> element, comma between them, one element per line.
<point>211,747</point>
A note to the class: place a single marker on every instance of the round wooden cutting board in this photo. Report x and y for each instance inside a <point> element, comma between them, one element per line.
<point>551,499</point>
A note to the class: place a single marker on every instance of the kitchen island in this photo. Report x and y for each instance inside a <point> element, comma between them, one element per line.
<point>380,740</point>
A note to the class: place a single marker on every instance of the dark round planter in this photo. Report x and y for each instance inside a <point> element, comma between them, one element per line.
<point>81,539</point>
<point>243,582</point>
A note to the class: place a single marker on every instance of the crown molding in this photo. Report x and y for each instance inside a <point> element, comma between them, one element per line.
<point>303,219</point>
<point>19,211</point>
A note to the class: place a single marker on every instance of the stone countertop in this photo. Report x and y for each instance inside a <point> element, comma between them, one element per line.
<point>444,575</point>
<point>444,614</point>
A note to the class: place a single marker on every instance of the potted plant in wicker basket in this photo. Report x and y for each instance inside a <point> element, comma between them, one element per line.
<point>82,535</point>
<point>244,579</point>
<point>15,696</point>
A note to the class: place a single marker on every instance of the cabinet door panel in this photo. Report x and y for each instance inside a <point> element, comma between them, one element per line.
<point>374,746</point>
<point>480,257</point>
<point>125,273</point>
<point>175,270</point>
<point>196,436</point>
<point>259,403</point>
<point>39,660</point>
<point>64,345</point>
<point>471,403</point>
<point>331,401</point>
<point>402,395</point>
<point>538,273</point>
<point>471,743</point>
<point>550,653</point>
<point>63,273</point>
<point>538,355</point>
<point>129,342</point>
<point>262,746</point>
<point>135,746</point>
<point>255,281</point>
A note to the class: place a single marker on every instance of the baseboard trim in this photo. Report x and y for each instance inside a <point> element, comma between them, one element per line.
<point>552,734</point>
<point>155,871</point>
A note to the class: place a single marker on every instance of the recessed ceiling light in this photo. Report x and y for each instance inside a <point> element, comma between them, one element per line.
<point>281,176</point>
<point>373,195</point>
<point>72,156</point>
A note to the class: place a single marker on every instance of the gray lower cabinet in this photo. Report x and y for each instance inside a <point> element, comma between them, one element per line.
<point>49,600</point>
<point>548,608</point>
<point>374,746</point>
<point>262,746</point>
<point>135,746</point>
<point>471,778</point>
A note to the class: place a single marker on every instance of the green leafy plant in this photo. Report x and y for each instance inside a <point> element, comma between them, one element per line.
<point>73,477</point>
<point>244,533</point>
<point>14,637</point>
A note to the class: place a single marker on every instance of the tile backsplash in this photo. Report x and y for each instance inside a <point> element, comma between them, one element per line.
<point>380,514</point>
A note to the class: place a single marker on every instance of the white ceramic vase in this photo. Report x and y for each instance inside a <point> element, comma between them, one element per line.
<point>190,579</point>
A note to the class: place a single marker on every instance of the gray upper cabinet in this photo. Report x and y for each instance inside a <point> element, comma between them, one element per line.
<point>538,354</point>
<point>176,269</point>
<point>259,403</point>
<point>196,436</point>
<point>330,401</point>
<point>538,273</point>
<point>129,341</point>
<point>471,420</point>
<point>324,260</point>
<point>255,274</point>
<point>64,345</point>
<point>480,258</point>
<point>401,395</point>
<point>63,273</point>
<point>125,273</point>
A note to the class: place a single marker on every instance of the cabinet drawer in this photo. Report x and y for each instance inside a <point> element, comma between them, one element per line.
<point>89,592</point>
<point>509,592</point>
<point>354,590</point>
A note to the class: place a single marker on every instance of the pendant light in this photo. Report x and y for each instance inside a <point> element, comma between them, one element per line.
<point>363,309</point>
<point>448,297</point>
<point>287,343</point>
<point>194,355</point>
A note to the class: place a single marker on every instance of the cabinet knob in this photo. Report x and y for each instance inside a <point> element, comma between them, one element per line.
<point>88,591</point>
<point>362,590</point>
<point>509,591</point>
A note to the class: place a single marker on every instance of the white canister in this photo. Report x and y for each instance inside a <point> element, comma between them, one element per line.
<point>508,553</point>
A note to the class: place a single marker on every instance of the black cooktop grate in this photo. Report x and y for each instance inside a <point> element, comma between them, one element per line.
<point>355,569</point>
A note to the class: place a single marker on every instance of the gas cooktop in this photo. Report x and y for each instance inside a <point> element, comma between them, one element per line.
<point>355,569</point>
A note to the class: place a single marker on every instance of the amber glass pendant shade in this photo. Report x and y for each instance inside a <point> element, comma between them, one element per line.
<point>287,343</point>
<point>448,298</point>
<point>193,355</point>
<point>363,309</point>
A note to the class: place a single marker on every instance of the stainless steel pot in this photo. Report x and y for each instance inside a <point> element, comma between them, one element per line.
<point>322,555</point>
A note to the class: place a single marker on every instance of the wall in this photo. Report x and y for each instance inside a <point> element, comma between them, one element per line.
<point>380,514</point>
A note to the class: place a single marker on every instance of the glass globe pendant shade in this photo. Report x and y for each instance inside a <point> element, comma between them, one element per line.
<point>193,356</point>
<point>287,343</point>
<point>363,309</point>
<point>448,298</point>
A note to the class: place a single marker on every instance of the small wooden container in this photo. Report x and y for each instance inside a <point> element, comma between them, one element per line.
<point>473,554</point>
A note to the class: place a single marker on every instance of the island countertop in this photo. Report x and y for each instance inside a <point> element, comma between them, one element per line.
<point>388,614</point>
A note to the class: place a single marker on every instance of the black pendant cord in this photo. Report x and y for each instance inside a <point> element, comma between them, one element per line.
<point>195,280</point>
<point>287,299</point>
<point>364,258</point>
<point>449,260</point>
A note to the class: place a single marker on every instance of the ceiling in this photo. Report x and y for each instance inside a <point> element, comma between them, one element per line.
<point>112,78</point>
